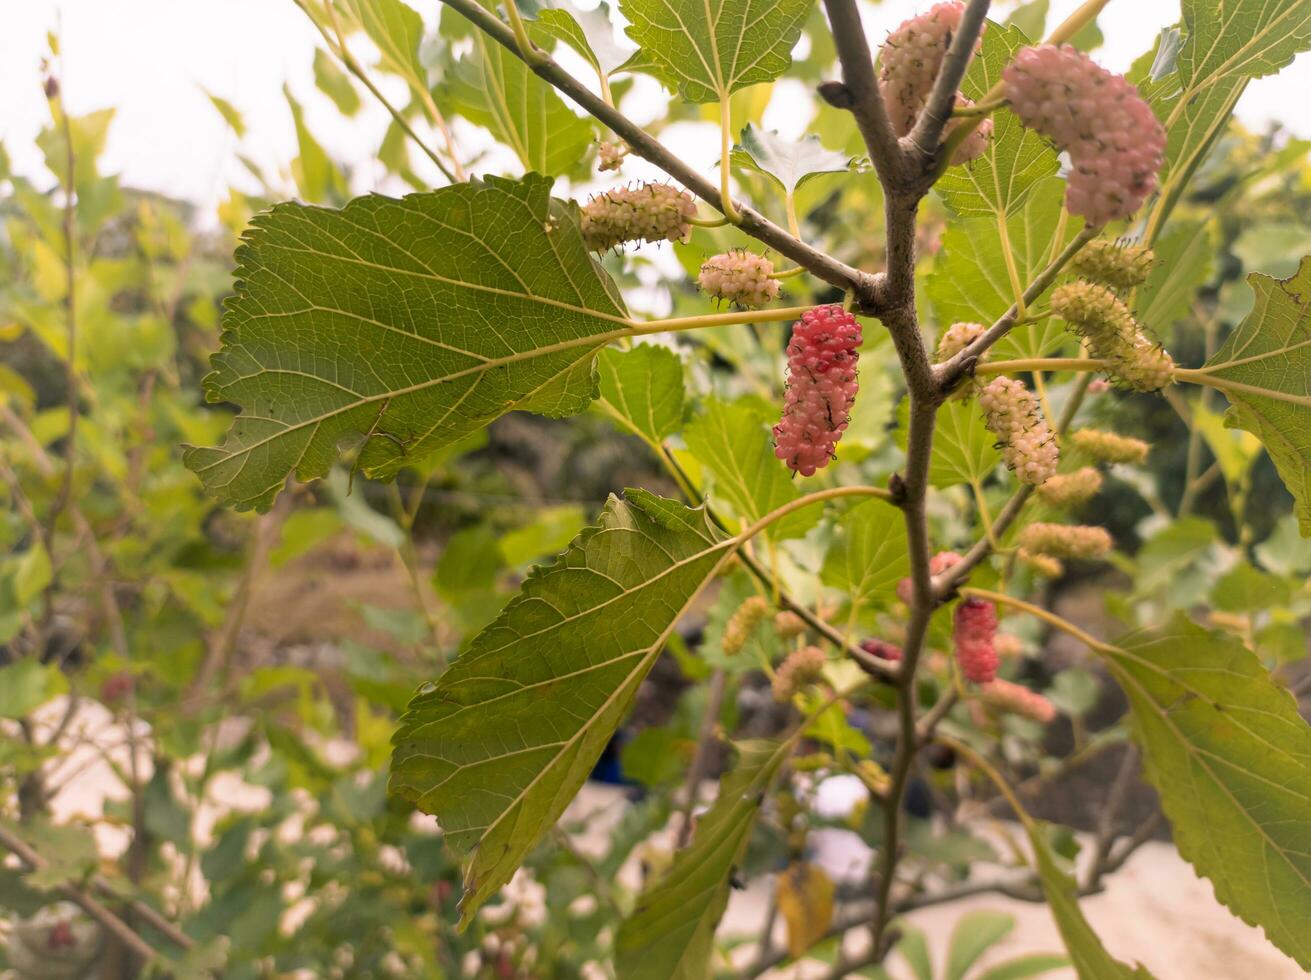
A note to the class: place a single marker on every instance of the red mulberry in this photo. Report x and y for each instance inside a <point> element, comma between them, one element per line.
<point>822,357</point>
<point>739,277</point>
<point>1012,414</point>
<point>798,669</point>
<point>909,63</point>
<point>1116,143</point>
<point>975,629</point>
<point>1117,266</point>
<point>1017,700</point>
<point>1107,447</point>
<point>645,213</point>
<point>882,648</point>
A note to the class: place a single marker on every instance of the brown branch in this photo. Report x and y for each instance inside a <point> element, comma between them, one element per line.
<point>70,312</point>
<point>868,289</point>
<point>701,760</point>
<point>922,141</point>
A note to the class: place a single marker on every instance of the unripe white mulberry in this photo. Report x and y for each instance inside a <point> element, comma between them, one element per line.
<point>788,625</point>
<point>1107,447</point>
<point>822,356</point>
<point>1001,695</point>
<point>646,213</point>
<point>610,156</point>
<point>1066,540</point>
<point>956,338</point>
<point>799,669</point>
<point>1116,143</point>
<point>1117,266</point>
<point>739,277</point>
<point>909,63</point>
<point>1044,565</point>
<point>1068,489</point>
<point>1112,333</point>
<point>1011,413</point>
<point>743,623</point>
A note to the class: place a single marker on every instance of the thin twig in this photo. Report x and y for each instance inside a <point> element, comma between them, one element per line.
<point>701,759</point>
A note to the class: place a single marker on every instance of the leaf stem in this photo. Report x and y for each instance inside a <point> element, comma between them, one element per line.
<point>530,52</point>
<point>789,273</point>
<point>792,506</point>
<point>708,222</point>
<point>1081,364</point>
<point>725,162</point>
<point>640,327</point>
<point>1050,618</point>
<point>988,769</point>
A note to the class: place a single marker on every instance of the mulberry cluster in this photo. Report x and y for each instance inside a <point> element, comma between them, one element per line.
<point>743,623</point>
<point>1012,414</point>
<point>956,338</point>
<point>1013,699</point>
<point>1107,447</point>
<point>1044,565</point>
<point>798,669</point>
<point>788,625</point>
<point>882,648</point>
<point>974,632</point>
<point>1066,540</point>
<point>1117,266</point>
<point>822,357</point>
<point>909,64</point>
<point>1068,489</point>
<point>1114,335</point>
<point>645,213</point>
<point>739,277</point>
<point>938,564</point>
<point>610,156</point>
<point>1115,142</point>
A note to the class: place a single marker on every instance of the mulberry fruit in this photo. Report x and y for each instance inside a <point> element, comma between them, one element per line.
<point>788,625</point>
<point>610,156</point>
<point>1107,447</point>
<point>743,623</point>
<point>1044,565</point>
<point>956,338</point>
<point>645,213</point>
<point>973,634</point>
<point>1012,414</point>
<point>798,669</point>
<point>938,564</point>
<point>739,277</point>
<point>1066,540</point>
<point>1014,699</point>
<point>822,357</point>
<point>1008,645</point>
<point>908,66</point>
<point>1113,334</point>
<point>1117,266</point>
<point>1115,142</point>
<point>1068,489</point>
<point>881,648</point>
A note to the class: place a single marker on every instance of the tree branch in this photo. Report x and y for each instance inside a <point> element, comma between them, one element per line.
<point>867,288</point>
<point>922,141</point>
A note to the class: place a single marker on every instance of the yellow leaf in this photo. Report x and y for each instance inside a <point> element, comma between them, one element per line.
<point>805,900</point>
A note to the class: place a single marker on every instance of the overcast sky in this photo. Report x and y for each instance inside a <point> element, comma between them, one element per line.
<point>153,59</point>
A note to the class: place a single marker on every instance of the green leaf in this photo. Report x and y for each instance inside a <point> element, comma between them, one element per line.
<point>1246,589</point>
<point>731,442</point>
<point>550,531</point>
<point>32,572</point>
<point>1031,18</point>
<point>589,32</point>
<point>999,180</point>
<point>1265,368</point>
<point>69,851</point>
<point>963,448</point>
<point>478,751</point>
<point>914,948</point>
<point>641,390</point>
<point>335,83</point>
<point>1231,757</point>
<point>391,328</point>
<point>229,113</point>
<point>1241,38</point>
<point>317,177</point>
<point>670,934</point>
<point>1193,123</point>
<point>1235,451</point>
<point>708,49</point>
<point>1033,965</point>
<point>493,88</point>
<point>1183,264</point>
<point>396,29</point>
<point>1088,955</point>
<point>868,556</point>
<point>974,934</point>
<point>970,281</point>
<point>789,163</point>
<point>27,684</point>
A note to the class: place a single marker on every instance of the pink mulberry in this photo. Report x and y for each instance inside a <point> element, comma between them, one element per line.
<point>645,213</point>
<point>739,277</point>
<point>938,564</point>
<point>1014,699</point>
<point>909,63</point>
<point>822,357</point>
<point>1028,445</point>
<point>1116,143</point>
<point>799,669</point>
<point>956,338</point>
<point>882,648</point>
<point>974,633</point>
